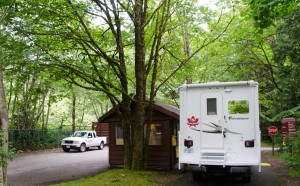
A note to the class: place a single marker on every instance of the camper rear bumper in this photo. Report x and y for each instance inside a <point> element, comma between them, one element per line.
<point>232,170</point>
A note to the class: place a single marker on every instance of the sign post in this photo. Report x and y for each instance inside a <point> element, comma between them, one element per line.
<point>288,128</point>
<point>272,131</point>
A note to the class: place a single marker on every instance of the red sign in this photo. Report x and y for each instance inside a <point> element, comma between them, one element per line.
<point>288,126</point>
<point>272,130</point>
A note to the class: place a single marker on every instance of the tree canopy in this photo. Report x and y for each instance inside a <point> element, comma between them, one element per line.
<point>266,13</point>
<point>135,52</point>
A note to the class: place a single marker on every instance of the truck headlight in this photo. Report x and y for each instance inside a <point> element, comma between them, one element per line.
<point>75,142</point>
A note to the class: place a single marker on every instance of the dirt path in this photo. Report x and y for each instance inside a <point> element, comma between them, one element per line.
<point>280,169</point>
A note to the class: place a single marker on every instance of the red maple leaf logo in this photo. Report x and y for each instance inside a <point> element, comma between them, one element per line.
<point>192,121</point>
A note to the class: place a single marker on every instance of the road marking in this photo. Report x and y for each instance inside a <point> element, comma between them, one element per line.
<point>265,164</point>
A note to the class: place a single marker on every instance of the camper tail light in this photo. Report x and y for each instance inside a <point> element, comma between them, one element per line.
<point>188,143</point>
<point>249,143</point>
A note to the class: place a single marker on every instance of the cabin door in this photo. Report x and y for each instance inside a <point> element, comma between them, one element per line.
<point>211,121</point>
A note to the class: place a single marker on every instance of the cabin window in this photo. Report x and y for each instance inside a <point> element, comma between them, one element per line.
<point>211,106</point>
<point>155,134</point>
<point>119,135</point>
<point>238,107</point>
<point>154,138</point>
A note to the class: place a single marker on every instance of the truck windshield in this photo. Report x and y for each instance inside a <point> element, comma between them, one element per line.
<point>79,134</point>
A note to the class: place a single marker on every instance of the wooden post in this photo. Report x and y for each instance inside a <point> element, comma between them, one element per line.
<point>273,145</point>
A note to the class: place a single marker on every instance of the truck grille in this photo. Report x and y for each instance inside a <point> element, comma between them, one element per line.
<point>68,142</point>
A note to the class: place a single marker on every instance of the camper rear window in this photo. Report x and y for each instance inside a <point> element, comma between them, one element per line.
<point>211,106</point>
<point>238,107</point>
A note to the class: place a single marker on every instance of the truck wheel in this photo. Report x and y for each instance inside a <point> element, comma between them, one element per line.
<point>197,175</point>
<point>101,146</point>
<point>246,179</point>
<point>82,147</point>
<point>66,149</point>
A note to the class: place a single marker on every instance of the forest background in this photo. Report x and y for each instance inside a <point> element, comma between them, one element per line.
<point>65,63</point>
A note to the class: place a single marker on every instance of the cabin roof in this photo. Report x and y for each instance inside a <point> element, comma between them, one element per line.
<point>164,108</point>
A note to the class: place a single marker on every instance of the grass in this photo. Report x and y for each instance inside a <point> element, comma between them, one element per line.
<point>295,172</point>
<point>269,144</point>
<point>127,177</point>
<point>265,144</point>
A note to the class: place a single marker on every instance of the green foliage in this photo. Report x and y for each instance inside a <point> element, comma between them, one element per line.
<point>238,107</point>
<point>10,154</point>
<point>291,154</point>
<point>5,153</point>
<point>43,44</point>
<point>286,51</point>
<point>28,140</point>
<point>266,12</point>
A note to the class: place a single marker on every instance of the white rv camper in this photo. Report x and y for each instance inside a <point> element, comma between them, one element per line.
<point>219,128</point>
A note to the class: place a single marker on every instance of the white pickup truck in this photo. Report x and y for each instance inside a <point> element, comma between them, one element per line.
<point>82,140</point>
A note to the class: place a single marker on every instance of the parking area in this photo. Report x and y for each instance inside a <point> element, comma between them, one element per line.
<point>54,166</point>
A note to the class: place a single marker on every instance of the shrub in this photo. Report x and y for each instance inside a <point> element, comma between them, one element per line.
<point>291,154</point>
<point>29,140</point>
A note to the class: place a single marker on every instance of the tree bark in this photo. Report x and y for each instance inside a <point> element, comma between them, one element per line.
<point>48,111</point>
<point>127,135</point>
<point>83,110</point>
<point>4,133</point>
<point>138,129</point>
<point>73,111</point>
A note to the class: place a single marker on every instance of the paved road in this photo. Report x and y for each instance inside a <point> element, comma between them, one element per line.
<point>266,177</point>
<point>56,166</point>
<point>48,167</point>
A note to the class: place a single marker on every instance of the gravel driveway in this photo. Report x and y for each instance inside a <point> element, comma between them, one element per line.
<point>54,166</point>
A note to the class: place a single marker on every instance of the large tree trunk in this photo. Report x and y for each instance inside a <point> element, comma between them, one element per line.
<point>83,110</point>
<point>48,112</point>
<point>4,133</point>
<point>138,129</point>
<point>73,111</point>
<point>126,125</point>
<point>3,123</point>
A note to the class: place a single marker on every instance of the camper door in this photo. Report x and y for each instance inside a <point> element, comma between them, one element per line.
<point>212,123</point>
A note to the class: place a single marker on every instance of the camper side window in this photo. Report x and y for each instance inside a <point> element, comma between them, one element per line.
<point>238,107</point>
<point>119,135</point>
<point>211,106</point>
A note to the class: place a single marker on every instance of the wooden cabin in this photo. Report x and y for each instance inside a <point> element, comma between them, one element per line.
<point>101,130</point>
<point>162,142</point>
